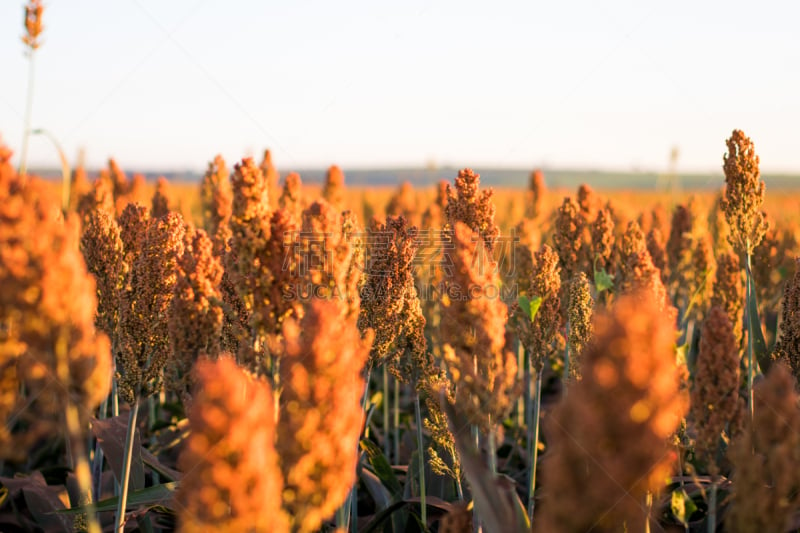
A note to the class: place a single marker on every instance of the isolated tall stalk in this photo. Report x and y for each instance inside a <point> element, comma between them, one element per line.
<point>742,201</point>
<point>33,30</point>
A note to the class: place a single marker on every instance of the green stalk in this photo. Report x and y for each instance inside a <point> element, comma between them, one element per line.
<point>566,358</point>
<point>492,450</point>
<point>750,373</point>
<point>533,442</point>
<point>387,449</point>
<point>97,460</point>
<point>396,420</point>
<point>520,375</point>
<point>119,527</point>
<point>476,520</point>
<point>712,508</point>
<point>421,462</point>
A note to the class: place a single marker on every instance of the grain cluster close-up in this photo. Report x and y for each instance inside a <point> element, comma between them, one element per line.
<point>259,352</point>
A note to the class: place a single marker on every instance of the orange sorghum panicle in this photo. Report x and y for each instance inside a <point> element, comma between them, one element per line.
<point>103,251</point>
<point>473,207</point>
<point>473,326</point>
<point>644,277</point>
<point>390,252</point>
<point>292,196</point>
<point>216,198</point>
<point>321,415</point>
<point>602,241</point>
<point>433,217</point>
<point>232,481</point>
<point>568,238</point>
<point>588,202</point>
<point>537,335</point>
<point>271,177</point>
<point>78,186</point>
<point>535,194</point>
<point>766,459</point>
<point>609,437</point>
<point>788,345</point>
<point>144,304</point>
<point>728,291</point>
<point>744,194</point>
<point>330,255</point>
<point>160,202</point>
<point>195,312</point>
<point>333,190</point>
<point>403,202</point>
<point>629,246</point>
<point>579,314</point>
<point>33,24</point>
<point>658,251</point>
<point>717,406</point>
<point>48,341</point>
<point>248,263</point>
<point>99,197</point>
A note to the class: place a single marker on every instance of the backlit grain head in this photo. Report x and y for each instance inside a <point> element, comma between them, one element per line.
<point>717,407</point>
<point>470,205</point>
<point>232,480</point>
<point>744,194</point>
<point>321,415</point>
<point>609,437</point>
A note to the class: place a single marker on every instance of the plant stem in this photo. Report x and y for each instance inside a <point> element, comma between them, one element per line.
<point>421,461</point>
<point>23,156</point>
<point>387,447</point>
<point>126,466</point>
<point>533,436</point>
<point>566,359</point>
<point>476,520</point>
<point>749,281</point>
<point>348,512</point>
<point>97,461</point>
<point>492,444</point>
<point>521,375</point>
<point>76,449</point>
<point>396,420</point>
<point>82,471</point>
<point>712,508</point>
<point>459,490</point>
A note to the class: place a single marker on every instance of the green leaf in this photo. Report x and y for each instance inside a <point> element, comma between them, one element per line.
<point>759,344</point>
<point>149,497</point>
<point>381,466</point>
<point>525,305</point>
<point>603,281</point>
<point>682,506</point>
<point>680,354</point>
<point>535,304</point>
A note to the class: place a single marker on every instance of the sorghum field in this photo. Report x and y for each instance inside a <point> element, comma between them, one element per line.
<point>249,354</point>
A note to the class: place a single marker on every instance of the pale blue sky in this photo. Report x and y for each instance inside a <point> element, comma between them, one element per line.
<point>167,84</point>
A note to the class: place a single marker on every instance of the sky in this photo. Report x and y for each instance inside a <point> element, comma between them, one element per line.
<point>614,85</point>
